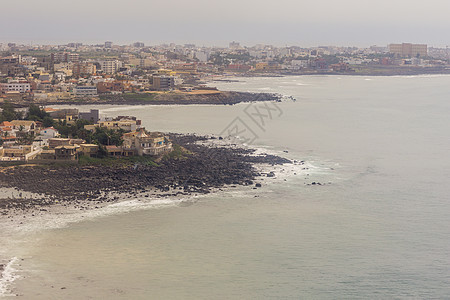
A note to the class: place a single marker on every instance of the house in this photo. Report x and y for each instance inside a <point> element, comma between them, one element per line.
<point>146,143</point>
<point>5,125</point>
<point>47,154</point>
<point>6,132</point>
<point>48,133</point>
<point>66,152</point>
<point>114,151</point>
<point>14,152</point>
<point>90,150</point>
<point>23,125</point>
<point>126,125</point>
<point>55,142</point>
<point>67,114</point>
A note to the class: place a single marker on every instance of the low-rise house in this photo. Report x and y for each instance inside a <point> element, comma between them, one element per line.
<point>126,125</point>
<point>6,132</point>
<point>5,125</point>
<point>65,114</point>
<point>48,133</point>
<point>23,125</point>
<point>55,142</point>
<point>114,151</point>
<point>47,154</point>
<point>90,150</point>
<point>15,152</point>
<point>76,142</point>
<point>147,143</point>
<point>66,152</point>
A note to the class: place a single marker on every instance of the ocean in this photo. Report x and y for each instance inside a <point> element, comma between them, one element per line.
<point>376,227</point>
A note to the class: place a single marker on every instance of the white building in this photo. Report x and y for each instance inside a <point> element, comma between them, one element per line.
<point>202,56</point>
<point>48,133</point>
<point>85,91</point>
<point>110,66</point>
<point>21,87</point>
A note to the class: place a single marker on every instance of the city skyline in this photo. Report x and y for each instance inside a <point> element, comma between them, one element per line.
<point>283,23</point>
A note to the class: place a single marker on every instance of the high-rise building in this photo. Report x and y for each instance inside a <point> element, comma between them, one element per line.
<point>83,68</point>
<point>139,45</point>
<point>163,82</point>
<point>65,57</point>
<point>408,50</point>
<point>108,44</point>
<point>110,66</point>
<point>234,45</point>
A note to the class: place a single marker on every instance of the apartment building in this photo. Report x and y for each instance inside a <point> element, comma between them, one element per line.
<point>408,50</point>
<point>85,91</point>
<point>110,66</point>
<point>21,87</point>
<point>163,82</point>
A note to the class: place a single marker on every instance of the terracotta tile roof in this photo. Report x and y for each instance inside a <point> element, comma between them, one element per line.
<point>6,123</point>
<point>49,109</point>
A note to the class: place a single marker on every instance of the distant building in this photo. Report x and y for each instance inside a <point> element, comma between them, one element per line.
<point>139,45</point>
<point>92,116</point>
<point>65,57</point>
<point>67,114</point>
<point>48,133</point>
<point>234,45</point>
<point>85,91</point>
<point>56,142</point>
<point>25,125</point>
<point>21,87</point>
<point>408,50</point>
<point>202,56</point>
<point>84,68</point>
<point>110,66</point>
<point>66,152</point>
<point>238,67</point>
<point>262,66</point>
<point>146,143</point>
<point>108,45</point>
<point>163,82</point>
<point>11,65</point>
<point>90,150</point>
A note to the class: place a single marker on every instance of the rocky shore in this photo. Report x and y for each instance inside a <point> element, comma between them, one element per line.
<point>165,98</point>
<point>198,171</point>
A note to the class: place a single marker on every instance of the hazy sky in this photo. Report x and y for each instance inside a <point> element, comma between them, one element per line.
<point>211,22</point>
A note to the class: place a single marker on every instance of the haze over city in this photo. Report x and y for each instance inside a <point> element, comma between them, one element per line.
<point>284,22</point>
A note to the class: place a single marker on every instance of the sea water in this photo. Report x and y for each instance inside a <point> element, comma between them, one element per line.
<point>377,227</point>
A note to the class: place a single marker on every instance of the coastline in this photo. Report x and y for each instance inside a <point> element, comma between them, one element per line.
<point>37,189</point>
<point>360,71</point>
<point>35,197</point>
<point>170,98</point>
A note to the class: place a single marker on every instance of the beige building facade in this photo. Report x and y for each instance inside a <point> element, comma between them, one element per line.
<point>409,50</point>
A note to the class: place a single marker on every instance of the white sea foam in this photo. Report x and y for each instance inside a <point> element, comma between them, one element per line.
<point>7,277</point>
<point>61,217</point>
<point>122,108</point>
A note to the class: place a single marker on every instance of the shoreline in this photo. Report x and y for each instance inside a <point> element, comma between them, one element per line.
<point>37,189</point>
<point>359,71</point>
<point>171,98</point>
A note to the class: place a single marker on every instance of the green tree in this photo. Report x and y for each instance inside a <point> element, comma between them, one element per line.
<point>9,113</point>
<point>35,113</point>
<point>48,121</point>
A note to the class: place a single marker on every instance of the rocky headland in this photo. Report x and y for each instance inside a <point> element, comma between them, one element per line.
<point>207,97</point>
<point>199,170</point>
